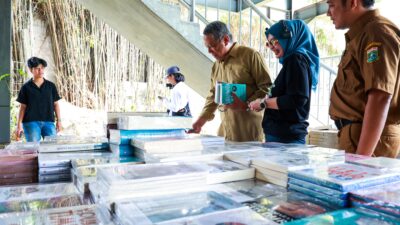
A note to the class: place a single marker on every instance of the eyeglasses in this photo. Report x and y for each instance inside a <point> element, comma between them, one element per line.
<point>271,43</point>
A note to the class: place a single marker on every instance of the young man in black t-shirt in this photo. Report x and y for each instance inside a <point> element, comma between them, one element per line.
<point>39,102</point>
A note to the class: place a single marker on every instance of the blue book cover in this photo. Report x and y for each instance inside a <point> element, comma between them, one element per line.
<point>348,217</point>
<point>318,188</point>
<point>122,150</point>
<point>345,177</point>
<point>223,92</point>
<point>123,137</point>
<point>336,201</point>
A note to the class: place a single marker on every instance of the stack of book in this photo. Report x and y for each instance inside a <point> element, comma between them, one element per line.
<point>145,180</point>
<point>155,122</point>
<point>18,167</point>
<point>74,215</point>
<point>37,197</point>
<point>333,183</point>
<point>348,216</point>
<point>381,199</point>
<point>324,138</point>
<point>84,171</point>
<point>272,164</point>
<point>168,208</point>
<point>56,167</point>
<point>181,144</point>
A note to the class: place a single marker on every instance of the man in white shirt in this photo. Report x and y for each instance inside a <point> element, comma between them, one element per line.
<point>178,104</point>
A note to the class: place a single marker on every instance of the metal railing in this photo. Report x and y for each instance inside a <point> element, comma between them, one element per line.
<point>247,27</point>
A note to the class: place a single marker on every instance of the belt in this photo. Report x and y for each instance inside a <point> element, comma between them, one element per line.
<point>340,123</point>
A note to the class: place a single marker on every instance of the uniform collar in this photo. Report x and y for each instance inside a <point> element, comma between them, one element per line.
<point>233,51</point>
<point>359,25</point>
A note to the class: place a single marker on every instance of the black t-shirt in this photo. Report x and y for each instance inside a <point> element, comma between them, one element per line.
<point>39,101</point>
<point>293,89</point>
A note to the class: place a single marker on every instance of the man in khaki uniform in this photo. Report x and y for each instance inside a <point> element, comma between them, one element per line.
<point>365,101</point>
<point>235,64</point>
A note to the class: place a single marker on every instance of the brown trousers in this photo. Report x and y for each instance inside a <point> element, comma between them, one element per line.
<point>388,145</point>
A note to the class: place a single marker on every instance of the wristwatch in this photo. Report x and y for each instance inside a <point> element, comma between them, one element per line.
<point>262,104</point>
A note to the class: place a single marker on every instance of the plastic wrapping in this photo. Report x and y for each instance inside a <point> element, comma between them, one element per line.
<point>226,171</point>
<point>22,148</point>
<point>348,216</point>
<point>26,192</point>
<point>123,137</point>
<point>169,207</point>
<point>345,177</point>
<point>41,203</point>
<point>382,163</point>
<point>239,216</point>
<point>153,122</point>
<point>77,215</point>
<point>384,198</point>
<point>332,200</point>
<point>318,188</point>
<point>64,159</point>
<point>73,144</point>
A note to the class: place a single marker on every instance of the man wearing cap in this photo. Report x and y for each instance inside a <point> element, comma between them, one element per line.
<point>365,98</point>
<point>234,64</point>
<point>178,104</point>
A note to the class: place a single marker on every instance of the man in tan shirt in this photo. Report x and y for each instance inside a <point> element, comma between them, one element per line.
<point>365,101</point>
<point>235,64</point>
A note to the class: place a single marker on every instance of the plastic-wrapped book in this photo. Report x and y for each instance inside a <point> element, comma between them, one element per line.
<point>240,216</point>
<point>382,163</point>
<point>348,216</point>
<point>318,188</point>
<point>54,170</point>
<point>41,203</point>
<point>62,177</point>
<point>350,158</point>
<point>73,145</point>
<point>154,122</point>
<point>332,200</point>
<point>26,192</point>
<point>64,159</point>
<point>174,144</point>
<point>226,171</point>
<point>158,209</point>
<point>345,177</point>
<point>384,198</point>
<point>77,215</point>
<point>246,157</point>
<point>123,137</point>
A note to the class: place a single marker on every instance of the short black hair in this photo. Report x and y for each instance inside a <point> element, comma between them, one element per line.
<point>178,77</point>
<point>35,61</point>
<point>365,3</point>
<point>218,30</point>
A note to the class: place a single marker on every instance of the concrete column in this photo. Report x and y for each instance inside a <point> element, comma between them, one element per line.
<point>5,68</point>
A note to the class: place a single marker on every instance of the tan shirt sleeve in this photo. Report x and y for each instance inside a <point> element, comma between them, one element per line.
<point>261,75</point>
<point>210,106</point>
<point>379,59</point>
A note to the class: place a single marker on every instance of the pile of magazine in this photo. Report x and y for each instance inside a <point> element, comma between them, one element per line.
<point>333,183</point>
<point>122,181</point>
<point>39,196</point>
<point>18,164</point>
<point>74,215</point>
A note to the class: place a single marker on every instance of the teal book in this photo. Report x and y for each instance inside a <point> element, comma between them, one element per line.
<point>223,92</point>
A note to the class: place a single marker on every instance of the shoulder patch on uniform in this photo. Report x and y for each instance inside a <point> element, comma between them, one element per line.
<point>372,54</point>
<point>373,44</point>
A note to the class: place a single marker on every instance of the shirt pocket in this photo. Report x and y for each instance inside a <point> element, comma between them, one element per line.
<point>239,74</point>
<point>348,78</point>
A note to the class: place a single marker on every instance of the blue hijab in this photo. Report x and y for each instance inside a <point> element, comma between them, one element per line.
<point>301,41</point>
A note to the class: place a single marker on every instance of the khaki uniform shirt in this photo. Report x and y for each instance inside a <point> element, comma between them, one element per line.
<point>370,61</point>
<point>242,65</point>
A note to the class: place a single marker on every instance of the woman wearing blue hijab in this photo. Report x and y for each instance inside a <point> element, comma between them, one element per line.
<point>288,105</point>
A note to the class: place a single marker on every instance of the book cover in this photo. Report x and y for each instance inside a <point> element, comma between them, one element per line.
<point>345,177</point>
<point>123,137</point>
<point>318,188</point>
<point>348,216</point>
<point>241,216</point>
<point>226,171</point>
<point>223,92</point>
<point>77,215</point>
<point>164,208</point>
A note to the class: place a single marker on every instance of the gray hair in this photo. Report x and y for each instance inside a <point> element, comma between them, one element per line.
<point>218,30</point>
